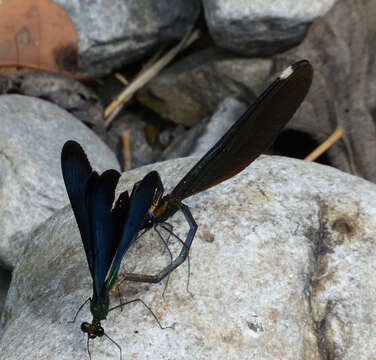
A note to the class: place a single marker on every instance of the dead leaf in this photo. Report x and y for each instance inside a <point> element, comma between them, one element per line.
<point>37,35</point>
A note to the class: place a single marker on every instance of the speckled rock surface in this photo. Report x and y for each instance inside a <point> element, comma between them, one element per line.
<point>282,267</point>
<point>261,27</point>
<point>32,134</point>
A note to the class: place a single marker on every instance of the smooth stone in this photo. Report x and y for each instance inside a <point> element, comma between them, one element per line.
<point>260,27</point>
<point>32,134</point>
<point>116,35</point>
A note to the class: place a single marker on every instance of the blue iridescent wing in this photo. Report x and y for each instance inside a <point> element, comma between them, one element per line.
<point>76,171</point>
<point>105,223</point>
<point>140,202</point>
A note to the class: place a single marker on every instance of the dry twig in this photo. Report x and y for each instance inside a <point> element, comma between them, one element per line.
<point>145,76</point>
<point>337,134</point>
<point>121,78</point>
<point>126,150</point>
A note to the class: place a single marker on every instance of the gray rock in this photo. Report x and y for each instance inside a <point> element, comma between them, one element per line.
<point>192,88</point>
<point>261,27</point>
<point>227,113</point>
<point>32,134</point>
<point>111,36</point>
<point>282,267</point>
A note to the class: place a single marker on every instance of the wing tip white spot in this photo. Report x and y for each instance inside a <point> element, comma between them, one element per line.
<point>286,73</point>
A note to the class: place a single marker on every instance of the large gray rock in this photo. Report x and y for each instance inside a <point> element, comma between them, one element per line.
<point>282,267</point>
<point>32,134</point>
<point>111,35</point>
<point>261,27</point>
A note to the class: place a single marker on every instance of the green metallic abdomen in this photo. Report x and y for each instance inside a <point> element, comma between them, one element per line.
<point>99,306</point>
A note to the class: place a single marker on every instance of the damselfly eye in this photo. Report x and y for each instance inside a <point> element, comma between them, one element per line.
<point>100,331</point>
<point>85,327</point>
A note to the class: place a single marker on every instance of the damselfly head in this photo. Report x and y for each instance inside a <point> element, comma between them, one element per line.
<point>92,330</point>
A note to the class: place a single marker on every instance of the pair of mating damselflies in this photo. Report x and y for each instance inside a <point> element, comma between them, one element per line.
<point>108,230</point>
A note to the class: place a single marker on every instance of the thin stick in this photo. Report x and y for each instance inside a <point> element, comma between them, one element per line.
<point>121,78</point>
<point>153,59</point>
<point>126,150</point>
<point>145,76</point>
<point>337,134</point>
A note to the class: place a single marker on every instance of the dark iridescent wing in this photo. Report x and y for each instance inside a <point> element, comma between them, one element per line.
<point>76,171</point>
<point>252,134</point>
<point>140,202</point>
<point>105,223</point>
<point>119,215</point>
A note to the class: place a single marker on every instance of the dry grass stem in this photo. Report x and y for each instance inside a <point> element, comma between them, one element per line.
<point>126,150</point>
<point>145,76</point>
<point>337,134</point>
